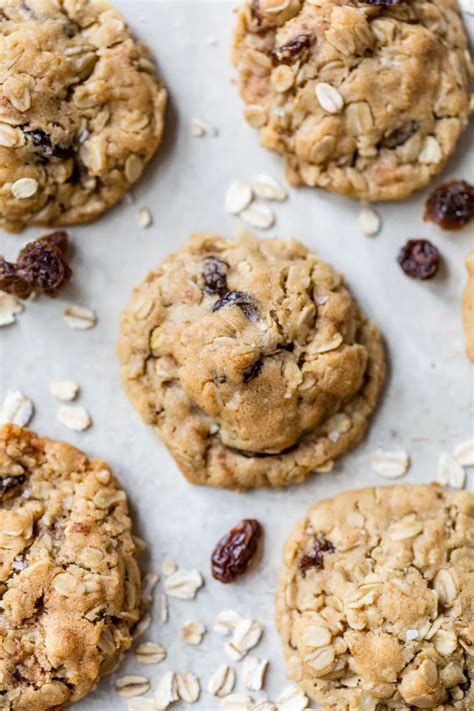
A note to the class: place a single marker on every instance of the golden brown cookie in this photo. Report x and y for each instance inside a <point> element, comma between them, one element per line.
<point>366,99</point>
<point>251,360</point>
<point>69,581</point>
<point>468,307</point>
<point>375,604</point>
<point>81,111</point>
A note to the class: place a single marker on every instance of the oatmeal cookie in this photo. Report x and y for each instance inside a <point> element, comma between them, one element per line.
<point>251,359</point>
<point>69,581</point>
<point>375,604</point>
<point>366,99</point>
<point>468,307</point>
<point>81,111</point>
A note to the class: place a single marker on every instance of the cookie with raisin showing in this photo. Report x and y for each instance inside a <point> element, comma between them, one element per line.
<point>251,360</point>
<point>69,580</point>
<point>363,98</point>
<point>81,111</point>
<point>375,603</point>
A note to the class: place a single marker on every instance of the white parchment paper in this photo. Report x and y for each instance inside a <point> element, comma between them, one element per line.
<point>428,403</point>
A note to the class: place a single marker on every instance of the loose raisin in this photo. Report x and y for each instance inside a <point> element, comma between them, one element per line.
<point>288,52</point>
<point>451,206</point>
<point>253,371</point>
<point>40,268</point>
<point>244,301</point>
<point>419,259</point>
<point>234,552</point>
<point>214,273</point>
<point>401,135</point>
<point>315,559</point>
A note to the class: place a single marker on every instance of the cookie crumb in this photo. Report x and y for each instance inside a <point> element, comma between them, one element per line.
<point>369,221</point>
<point>145,218</point>
<point>10,307</point>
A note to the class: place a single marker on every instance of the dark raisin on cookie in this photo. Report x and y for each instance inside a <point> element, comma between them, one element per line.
<point>451,206</point>
<point>401,135</point>
<point>253,371</point>
<point>214,273</point>
<point>288,52</point>
<point>42,142</point>
<point>41,267</point>
<point>419,259</point>
<point>315,559</point>
<point>235,551</point>
<point>7,483</point>
<point>245,302</point>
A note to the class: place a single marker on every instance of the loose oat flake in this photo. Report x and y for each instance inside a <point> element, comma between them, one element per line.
<point>239,195</point>
<point>267,188</point>
<point>150,653</point>
<point>188,687</point>
<point>464,453</point>
<point>142,626</point>
<point>183,584</point>
<point>369,221</point>
<point>236,702</point>
<point>65,390</point>
<point>254,670</point>
<point>259,216</point>
<point>192,633</point>
<point>264,705</point>
<point>163,608</point>
<point>226,621</point>
<point>222,681</point>
<point>292,699</point>
<point>167,691</point>
<point>10,306</point>
<point>148,585</point>
<point>17,409</point>
<point>142,704</point>
<point>390,465</point>
<point>131,685</point>
<point>75,417</point>
<point>247,634</point>
<point>450,472</point>
<point>79,317</point>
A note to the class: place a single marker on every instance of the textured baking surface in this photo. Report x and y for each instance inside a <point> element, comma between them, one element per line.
<point>388,612</point>
<point>425,409</point>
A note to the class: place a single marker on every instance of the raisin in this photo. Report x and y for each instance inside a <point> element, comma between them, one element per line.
<point>401,135</point>
<point>42,142</point>
<point>10,482</point>
<point>253,371</point>
<point>40,268</point>
<point>419,259</point>
<point>451,206</point>
<point>244,301</point>
<point>288,52</point>
<point>214,273</point>
<point>315,559</point>
<point>234,552</point>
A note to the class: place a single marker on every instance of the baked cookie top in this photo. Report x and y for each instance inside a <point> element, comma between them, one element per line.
<point>375,604</point>
<point>366,99</point>
<point>81,111</point>
<point>251,359</point>
<point>69,581</point>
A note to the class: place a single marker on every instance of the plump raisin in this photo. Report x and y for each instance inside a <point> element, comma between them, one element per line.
<point>11,482</point>
<point>40,268</point>
<point>419,259</point>
<point>234,552</point>
<point>451,206</point>
<point>244,301</point>
<point>42,142</point>
<point>214,273</point>
<point>315,559</point>
<point>401,135</point>
<point>253,371</point>
<point>289,51</point>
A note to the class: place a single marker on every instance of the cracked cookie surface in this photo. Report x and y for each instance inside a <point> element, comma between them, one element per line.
<point>81,111</point>
<point>382,615</point>
<point>251,360</point>
<point>367,100</point>
<point>69,581</point>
